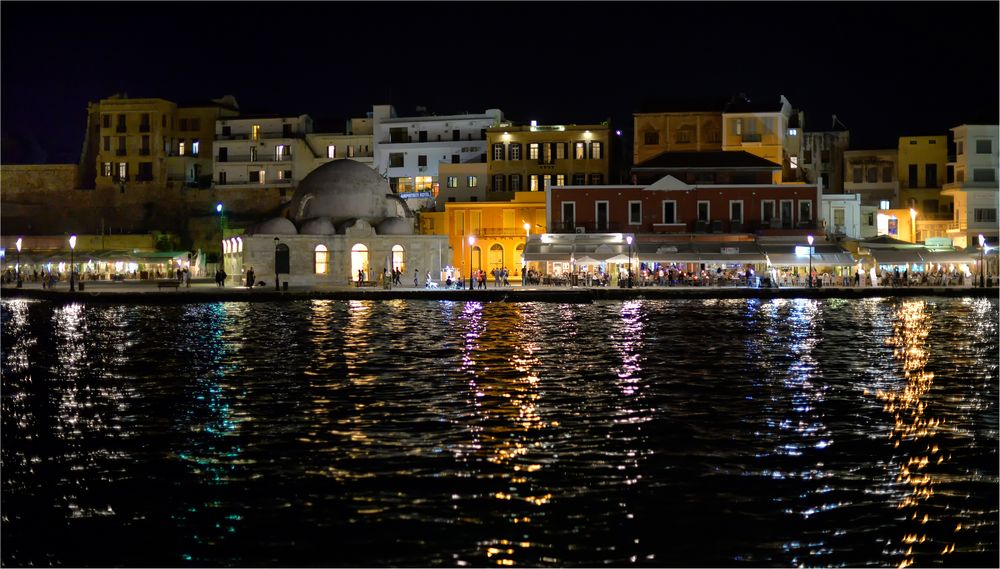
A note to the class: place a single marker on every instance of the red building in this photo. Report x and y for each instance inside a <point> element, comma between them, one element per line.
<point>670,206</point>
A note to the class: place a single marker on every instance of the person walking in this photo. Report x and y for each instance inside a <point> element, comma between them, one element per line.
<point>250,278</point>
<point>416,281</point>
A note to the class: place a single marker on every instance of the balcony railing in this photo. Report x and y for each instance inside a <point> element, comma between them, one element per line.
<point>121,152</point>
<point>120,128</point>
<point>714,226</point>
<point>261,136</point>
<point>251,158</point>
<point>751,137</point>
<point>586,227</point>
<point>144,128</point>
<point>501,232</point>
<point>284,182</point>
<point>143,152</point>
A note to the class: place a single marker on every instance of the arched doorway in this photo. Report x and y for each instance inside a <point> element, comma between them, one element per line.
<point>359,261</point>
<point>322,260</point>
<point>519,257</point>
<point>476,262</point>
<point>496,257</point>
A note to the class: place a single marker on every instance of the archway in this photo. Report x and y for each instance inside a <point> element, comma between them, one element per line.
<point>519,257</point>
<point>496,257</point>
<point>476,260</point>
<point>397,258</point>
<point>359,261</point>
<point>322,260</point>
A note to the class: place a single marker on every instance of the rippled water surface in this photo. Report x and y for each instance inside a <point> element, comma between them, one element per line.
<point>736,432</point>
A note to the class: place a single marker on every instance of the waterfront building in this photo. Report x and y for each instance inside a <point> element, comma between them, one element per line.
<point>771,130</point>
<point>688,126</point>
<point>465,182</point>
<point>264,151</point>
<point>350,139</point>
<point>342,219</point>
<point>822,159</point>
<point>872,175</point>
<point>922,169</point>
<point>841,217</point>
<point>408,150</point>
<point>534,157</point>
<point>974,189</point>
<point>706,168</point>
<point>149,142</point>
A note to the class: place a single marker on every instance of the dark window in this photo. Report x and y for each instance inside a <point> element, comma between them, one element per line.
<point>930,175</point>
<point>669,212</point>
<point>107,143</point>
<point>985,215</point>
<point>254,175</point>
<point>195,124</point>
<point>121,123</point>
<point>498,183</point>
<point>569,213</point>
<point>515,151</point>
<point>455,158</point>
<point>106,121</point>
<point>145,173</point>
<point>579,179</point>
<point>887,173</point>
<point>144,123</point>
<point>227,131</point>
<point>736,211</point>
<point>473,198</point>
<point>807,156</point>
<point>121,146</point>
<point>183,124</point>
<point>163,121</point>
<point>498,151</point>
<point>912,174</point>
<point>596,179</point>
<point>651,137</point>
<point>396,160</point>
<point>703,211</point>
<point>398,135</point>
<point>856,176</point>
<point>515,182</point>
<point>872,175</point>
<point>422,136</point>
<point>635,213</point>
<point>222,177</point>
<point>983,175</point>
<point>824,156</point>
<point>421,160</point>
<point>456,135</point>
<point>286,130</point>
<point>984,147</point>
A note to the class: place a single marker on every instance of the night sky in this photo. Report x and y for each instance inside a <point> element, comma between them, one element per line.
<point>886,69</point>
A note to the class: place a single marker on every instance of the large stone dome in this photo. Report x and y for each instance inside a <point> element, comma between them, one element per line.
<point>341,190</point>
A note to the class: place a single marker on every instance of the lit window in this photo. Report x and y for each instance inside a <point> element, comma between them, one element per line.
<point>106,169</point>
<point>331,151</point>
<point>397,258</point>
<point>261,174</point>
<point>322,260</point>
<point>595,150</point>
<point>560,179</point>
<point>180,148</point>
<point>533,151</point>
<point>281,152</point>
<point>424,183</point>
<point>281,174</point>
<point>793,131</point>
<point>794,161</point>
<point>883,204</point>
<point>472,181</point>
<point>534,183</point>
<point>580,151</point>
<point>253,153</point>
<point>122,170</point>
<point>515,151</point>
<point>452,181</point>
<point>194,147</point>
<point>239,244</point>
<point>255,132</point>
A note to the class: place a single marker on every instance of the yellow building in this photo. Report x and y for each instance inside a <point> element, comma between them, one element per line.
<point>532,158</point>
<point>497,228</point>
<point>656,133</point>
<point>923,163</point>
<point>150,141</point>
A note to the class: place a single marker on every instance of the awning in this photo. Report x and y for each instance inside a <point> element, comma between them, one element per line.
<point>823,256</point>
<point>734,253</point>
<point>896,256</point>
<point>949,257</point>
<point>595,248</point>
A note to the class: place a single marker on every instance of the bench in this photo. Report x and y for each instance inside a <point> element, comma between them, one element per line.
<point>168,284</point>
<point>366,283</point>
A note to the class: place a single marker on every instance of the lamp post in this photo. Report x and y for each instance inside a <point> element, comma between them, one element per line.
<point>913,223</point>
<point>72,275</point>
<point>982,261</point>
<point>628,239</point>
<point>472,241</point>
<point>809,238</point>
<point>524,259</point>
<point>18,243</point>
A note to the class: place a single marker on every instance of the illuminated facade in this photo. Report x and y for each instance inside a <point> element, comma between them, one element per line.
<point>532,158</point>
<point>659,132</point>
<point>498,229</point>
<point>408,150</point>
<point>769,130</point>
<point>264,151</point>
<point>872,175</point>
<point>974,190</point>
<point>354,143</point>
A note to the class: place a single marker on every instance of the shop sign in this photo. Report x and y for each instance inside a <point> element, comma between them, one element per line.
<point>416,195</point>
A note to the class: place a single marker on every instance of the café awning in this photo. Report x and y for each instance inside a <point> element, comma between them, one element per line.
<point>798,256</point>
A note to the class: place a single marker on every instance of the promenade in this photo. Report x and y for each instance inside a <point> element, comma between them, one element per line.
<point>147,292</point>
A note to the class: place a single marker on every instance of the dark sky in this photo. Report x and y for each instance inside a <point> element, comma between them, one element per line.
<point>886,70</point>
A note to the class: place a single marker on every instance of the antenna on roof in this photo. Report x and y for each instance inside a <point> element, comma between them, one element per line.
<point>836,120</point>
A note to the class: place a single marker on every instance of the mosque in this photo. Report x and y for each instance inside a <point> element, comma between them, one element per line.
<point>342,219</point>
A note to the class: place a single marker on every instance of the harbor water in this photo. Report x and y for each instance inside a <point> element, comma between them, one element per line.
<point>726,432</point>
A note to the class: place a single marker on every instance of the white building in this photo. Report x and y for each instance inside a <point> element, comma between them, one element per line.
<point>409,149</point>
<point>342,220</point>
<point>354,143</point>
<point>840,214</point>
<point>265,151</point>
<point>974,190</point>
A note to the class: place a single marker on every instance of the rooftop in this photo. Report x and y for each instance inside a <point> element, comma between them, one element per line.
<point>733,159</point>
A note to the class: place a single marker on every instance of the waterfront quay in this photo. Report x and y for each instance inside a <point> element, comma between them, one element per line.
<point>205,291</point>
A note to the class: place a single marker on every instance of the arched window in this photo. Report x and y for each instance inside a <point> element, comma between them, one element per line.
<point>225,246</point>
<point>519,254</point>
<point>322,260</point>
<point>359,261</point>
<point>397,258</point>
<point>239,245</point>
<point>496,257</point>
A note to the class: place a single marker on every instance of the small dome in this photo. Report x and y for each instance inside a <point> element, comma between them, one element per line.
<point>341,190</point>
<point>395,226</point>
<point>275,226</point>
<point>318,226</point>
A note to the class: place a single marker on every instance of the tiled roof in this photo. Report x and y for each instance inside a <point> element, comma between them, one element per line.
<point>711,159</point>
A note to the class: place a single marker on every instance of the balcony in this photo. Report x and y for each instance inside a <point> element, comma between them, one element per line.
<point>501,232</point>
<point>143,152</point>
<point>120,128</point>
<point>121,152</point>
<point>144,127</point>
<point>751,137</point>
<point>262,136</point>
<point>252,158</point>
<point>587,227</point>
<point>265,184</point>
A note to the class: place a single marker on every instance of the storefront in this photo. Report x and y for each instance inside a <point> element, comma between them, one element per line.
<point>832,264</point>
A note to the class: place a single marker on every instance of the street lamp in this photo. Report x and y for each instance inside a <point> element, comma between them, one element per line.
<point>982,260</point>
<point>524,259</point>
<point>472,240</point>
<point>913,223</point>
<point>18,243</point>
<point>628,239</point>
<point>809,238</point>
<point>72,247</point>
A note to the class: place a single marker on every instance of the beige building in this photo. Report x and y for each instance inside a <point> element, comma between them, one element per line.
<point>659,132</point>
<point>533,157</point>
<point>872,174</point>
<point>769,130</point>
<point>974,190</point>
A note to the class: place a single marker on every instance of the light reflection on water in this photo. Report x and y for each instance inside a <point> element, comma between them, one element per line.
<point>721,432</point>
